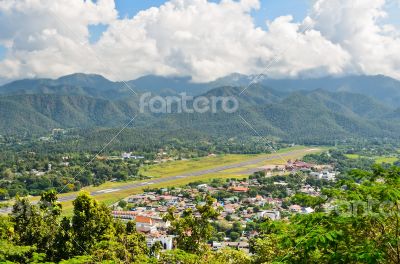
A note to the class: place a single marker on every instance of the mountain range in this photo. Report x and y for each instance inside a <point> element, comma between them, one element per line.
<point>298,110</point>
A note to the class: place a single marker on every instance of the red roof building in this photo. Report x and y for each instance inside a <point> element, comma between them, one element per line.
<point>239,189</point>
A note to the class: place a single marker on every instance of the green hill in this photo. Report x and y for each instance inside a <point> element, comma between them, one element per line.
<point>91,101</point>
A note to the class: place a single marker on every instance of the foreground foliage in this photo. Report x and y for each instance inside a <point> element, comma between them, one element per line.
<point>359,222</point>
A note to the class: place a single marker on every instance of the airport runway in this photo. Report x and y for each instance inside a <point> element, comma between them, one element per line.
<point>171,178</point>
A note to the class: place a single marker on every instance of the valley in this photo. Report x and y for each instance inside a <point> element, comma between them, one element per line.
<point>200,132</point>
<point>178,173</point>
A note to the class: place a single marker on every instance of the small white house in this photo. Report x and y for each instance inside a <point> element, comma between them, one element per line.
<point>126,155</point>
<point>166,241</point>
<point>307,210</point>
<point>271,214</point>
<point>202,187</point>
<point>324,175</point>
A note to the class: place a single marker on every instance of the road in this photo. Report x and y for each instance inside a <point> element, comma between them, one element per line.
<point>191,174</point>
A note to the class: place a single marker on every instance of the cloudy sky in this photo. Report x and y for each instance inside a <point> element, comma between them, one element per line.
<point>125,39</point>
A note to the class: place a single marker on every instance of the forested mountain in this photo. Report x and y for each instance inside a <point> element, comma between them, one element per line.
<point>42,112</point>
<point>317,110</point>
<point>382,88</point>
<point>98,86</point>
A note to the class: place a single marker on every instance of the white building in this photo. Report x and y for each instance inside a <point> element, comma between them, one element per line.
<point>324,175</point>
<point>145,224</point>
<point>202,187</point>
<point>126,155</point>
<point>307,210</point>
<point>272,214</point>
<point>166,241</point>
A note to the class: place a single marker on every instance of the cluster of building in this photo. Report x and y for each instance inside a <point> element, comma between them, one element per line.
<point>147,209</point>
<point>321,172</point>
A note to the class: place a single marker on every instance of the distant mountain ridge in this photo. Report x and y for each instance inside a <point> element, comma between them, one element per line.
<point>381,88</point>
<point>302,110</point>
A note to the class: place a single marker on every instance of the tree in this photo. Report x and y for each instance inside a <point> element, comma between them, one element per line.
<point>156,249</point>
<point>230,256</point>
<point>8,174</point>
<point>179,256</point>
<point>91,222</point>
<point>63,241</point>
<point>307,200</point>
<point>10,253</point>
<point>192,232</point>
<point>37,225</point>
<point>364,226</point>
<point>26,221</point>
<point>122,204</point>
<point>234,235</point>
<point>3,194</point>
<point>49,205</point>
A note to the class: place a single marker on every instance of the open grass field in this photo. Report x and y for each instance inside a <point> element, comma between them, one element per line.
<point>170,170</point>
<point>389,160</point>
<point>352,156</point>
<point>186,166</point>
<point>377,159</point>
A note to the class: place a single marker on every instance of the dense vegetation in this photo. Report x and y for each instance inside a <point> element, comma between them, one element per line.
<point>360,225</point>
<point>313,116</point>
<point>31,173</point>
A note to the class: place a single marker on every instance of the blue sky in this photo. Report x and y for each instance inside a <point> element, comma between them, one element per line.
<point>393,10</point>
<point>270,9</point>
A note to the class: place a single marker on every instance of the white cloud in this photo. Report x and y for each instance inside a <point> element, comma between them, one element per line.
<point>208,40</point>
<point>354,25</point>
<point>46,37</point>
<point>195,37</point>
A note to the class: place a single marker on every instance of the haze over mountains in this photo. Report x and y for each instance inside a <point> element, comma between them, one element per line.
<point>312,110</point>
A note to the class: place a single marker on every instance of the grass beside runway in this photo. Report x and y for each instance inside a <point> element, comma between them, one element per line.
<point>174,168</point>
<point>192,166</point>
<point>187,166</point>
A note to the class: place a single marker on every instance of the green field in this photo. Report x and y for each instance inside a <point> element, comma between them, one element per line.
<point>173,168</point>
<point>353,156</point>
<point>389,160</point>
<point>377,159</point>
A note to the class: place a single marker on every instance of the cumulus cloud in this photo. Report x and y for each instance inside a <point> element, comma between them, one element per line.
<point>46,37</point>
<point>354,25</point>
<point>203,39</point>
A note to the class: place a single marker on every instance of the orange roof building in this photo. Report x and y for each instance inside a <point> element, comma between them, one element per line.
<point>144,219</point>
<point>239,189</point>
